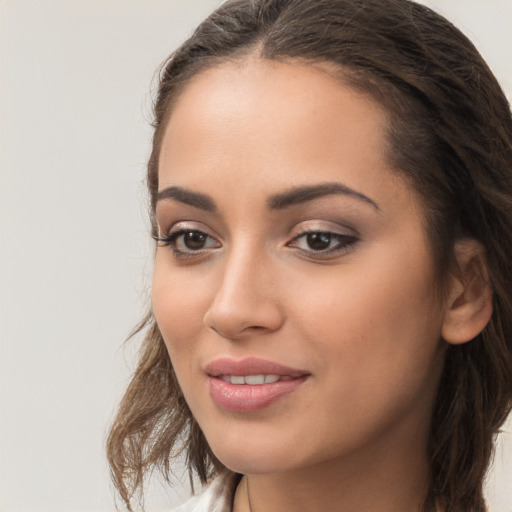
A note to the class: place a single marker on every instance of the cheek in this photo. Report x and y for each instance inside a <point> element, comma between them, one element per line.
<point>177,306</point>
<point>178,310</point>
<point>376,319</point>
<point>376,343</point>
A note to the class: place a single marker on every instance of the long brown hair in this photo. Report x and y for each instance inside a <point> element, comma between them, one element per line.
<point>450,135</point>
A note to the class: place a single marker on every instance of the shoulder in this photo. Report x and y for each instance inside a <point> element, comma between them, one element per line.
<point>218,496</point>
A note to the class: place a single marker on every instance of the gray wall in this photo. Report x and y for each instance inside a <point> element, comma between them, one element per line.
<point>75,257</point>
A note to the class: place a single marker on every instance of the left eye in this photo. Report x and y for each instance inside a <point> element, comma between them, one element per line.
<point>322,242</point>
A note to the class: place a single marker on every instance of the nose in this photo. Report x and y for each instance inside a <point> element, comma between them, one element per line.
<point>246,299</point>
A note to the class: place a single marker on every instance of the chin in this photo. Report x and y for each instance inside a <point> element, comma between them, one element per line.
<point>249,465</point>
<point>252,455</point>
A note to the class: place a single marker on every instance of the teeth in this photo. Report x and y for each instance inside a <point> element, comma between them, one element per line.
<point>254,380</point>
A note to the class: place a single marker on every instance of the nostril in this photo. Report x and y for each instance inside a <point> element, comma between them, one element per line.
<point>213,327</point>
<point>242,330</point>
<point>254,328</point>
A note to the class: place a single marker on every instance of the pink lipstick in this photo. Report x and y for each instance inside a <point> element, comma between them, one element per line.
<point>251,384</point>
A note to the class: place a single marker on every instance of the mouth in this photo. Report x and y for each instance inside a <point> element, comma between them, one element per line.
<point>254,380</point>
<point>251,384</point>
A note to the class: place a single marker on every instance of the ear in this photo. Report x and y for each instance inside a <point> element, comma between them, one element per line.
<point>469,304</point>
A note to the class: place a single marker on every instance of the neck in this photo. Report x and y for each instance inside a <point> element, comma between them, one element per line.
<point>382,479</point>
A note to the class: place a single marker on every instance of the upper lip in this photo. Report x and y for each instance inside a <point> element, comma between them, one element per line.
<point>250,366</point>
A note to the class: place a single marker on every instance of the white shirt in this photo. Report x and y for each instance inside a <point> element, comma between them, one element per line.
<point>218,497</point>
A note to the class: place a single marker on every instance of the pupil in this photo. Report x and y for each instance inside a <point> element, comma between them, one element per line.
<point>319,241</point>
<point>194,240</point>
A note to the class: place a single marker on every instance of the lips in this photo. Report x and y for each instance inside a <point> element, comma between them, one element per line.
<point>251,384</point>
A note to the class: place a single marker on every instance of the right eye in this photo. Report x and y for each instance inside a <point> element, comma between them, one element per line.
<point>187,242</point>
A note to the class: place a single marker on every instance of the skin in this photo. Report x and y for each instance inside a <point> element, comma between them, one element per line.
<point>364,322</point>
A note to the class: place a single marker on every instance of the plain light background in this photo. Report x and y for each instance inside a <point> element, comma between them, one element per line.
<point>75,254</point>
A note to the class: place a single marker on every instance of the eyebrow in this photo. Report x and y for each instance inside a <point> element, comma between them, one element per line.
<point>300,195</point>
<point>201,201</point>
<point>280,201</point>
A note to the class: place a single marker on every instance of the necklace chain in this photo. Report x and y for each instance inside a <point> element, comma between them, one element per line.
<point>248,495</point>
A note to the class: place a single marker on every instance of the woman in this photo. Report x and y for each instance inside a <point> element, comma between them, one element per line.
<point>331,320</point>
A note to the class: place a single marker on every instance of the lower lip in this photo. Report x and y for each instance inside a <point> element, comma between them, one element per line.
<point>247,397</point>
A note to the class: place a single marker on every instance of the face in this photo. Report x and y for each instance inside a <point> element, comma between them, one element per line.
<point>293,284</point>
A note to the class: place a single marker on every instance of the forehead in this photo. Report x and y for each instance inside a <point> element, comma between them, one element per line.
<point>253,84</point>
<point>257,106</point>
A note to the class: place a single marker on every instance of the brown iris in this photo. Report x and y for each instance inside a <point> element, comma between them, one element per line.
<point>194,240</point>
<point>318,241</point>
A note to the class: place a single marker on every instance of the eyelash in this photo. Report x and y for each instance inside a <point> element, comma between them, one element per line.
<point>344,243</point>
<point>171,240</point>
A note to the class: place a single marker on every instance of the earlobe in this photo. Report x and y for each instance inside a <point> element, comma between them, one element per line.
<point>469,301</point>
